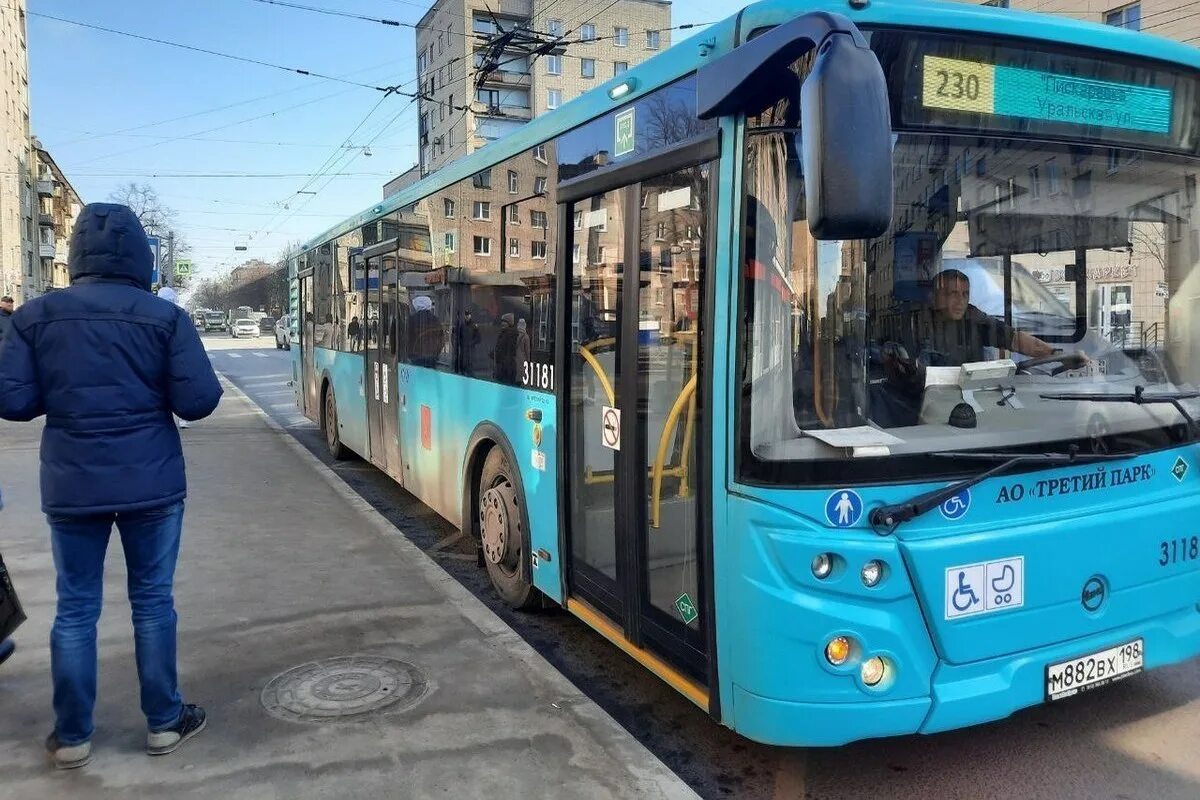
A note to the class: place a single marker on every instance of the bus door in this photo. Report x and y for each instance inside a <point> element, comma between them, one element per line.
<point>310,403</point>
<point>638,538</point>
<point>380,350</point>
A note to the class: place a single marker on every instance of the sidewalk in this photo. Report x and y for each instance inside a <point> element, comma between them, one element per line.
<point>282,566</point>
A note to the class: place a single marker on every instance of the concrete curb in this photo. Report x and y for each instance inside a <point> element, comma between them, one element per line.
<point>654,778</point>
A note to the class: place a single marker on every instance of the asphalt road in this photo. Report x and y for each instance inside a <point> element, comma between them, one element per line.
<point>1137,739</point>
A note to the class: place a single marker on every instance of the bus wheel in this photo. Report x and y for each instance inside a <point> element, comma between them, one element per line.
<point>329,421</point>
<point>503,534</point>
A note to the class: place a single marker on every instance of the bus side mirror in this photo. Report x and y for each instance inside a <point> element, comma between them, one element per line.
<point>847,142</point>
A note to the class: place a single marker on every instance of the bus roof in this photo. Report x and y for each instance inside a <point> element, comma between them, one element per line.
<point>692,53</point>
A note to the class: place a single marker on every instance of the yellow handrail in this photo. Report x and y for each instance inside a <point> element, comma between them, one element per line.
<point>687,395</point>
<point>585,351</point>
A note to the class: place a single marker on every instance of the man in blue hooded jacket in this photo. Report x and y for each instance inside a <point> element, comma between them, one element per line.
<point>108,363</point>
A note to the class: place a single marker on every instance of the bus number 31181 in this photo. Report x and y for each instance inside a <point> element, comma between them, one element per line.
<point>539,376</point>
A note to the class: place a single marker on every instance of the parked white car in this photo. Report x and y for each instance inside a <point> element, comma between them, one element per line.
<point>244,327</point>
<point>283,333</point>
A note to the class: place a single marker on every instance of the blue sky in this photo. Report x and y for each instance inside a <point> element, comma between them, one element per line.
<point>88,85</point>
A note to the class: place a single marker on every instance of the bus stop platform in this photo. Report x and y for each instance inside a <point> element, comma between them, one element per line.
<point>334,658</point>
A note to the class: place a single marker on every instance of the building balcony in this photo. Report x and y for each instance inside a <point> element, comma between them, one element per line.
<point>506,112</point>
<point>46,250</point>
<point>45,220</point>
<point>45,188</point>
<point>505,78</point>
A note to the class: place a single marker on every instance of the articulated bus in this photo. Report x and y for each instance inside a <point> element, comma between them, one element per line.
<point>838,364</point>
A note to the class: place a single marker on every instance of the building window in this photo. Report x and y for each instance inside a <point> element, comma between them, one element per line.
<point>579,220</point>
<point>1128,17</point>
<point>554,65</point>
<point>620,66</point>
<point>441,112</point>
<point>1035,182</point>
<point>489,97</point>
<point>449,208</point>
<point>587,32</point>
<point>587,67</point>
<point>653,40</point>
<point>537,250</point>
<point>599,255</point>
<point>514,248</point>
<point>556,27</point>
<point>575,255</point>
<point>514,214</point>
<point>513,182</point>
<point>538,219</point>
<point>539,153</point>
<point>483,210</point>
<point>450,138</point>
<point>539,185</point>
<point>621,37</point>
<point>449,242</point>
<point>482,180</point>
<point>483,246</point>
<point>661,233</point>
<point>553,98</point>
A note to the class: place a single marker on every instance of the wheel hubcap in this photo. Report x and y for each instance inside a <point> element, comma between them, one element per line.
<point>330,419</point>
<point>499,522</point>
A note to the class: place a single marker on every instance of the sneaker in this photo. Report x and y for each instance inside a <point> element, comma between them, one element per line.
<point>191,721</point>
<point>6,649</point>
<point>68,756</point>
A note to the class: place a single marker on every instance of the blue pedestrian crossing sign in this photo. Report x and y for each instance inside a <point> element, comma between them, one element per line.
<point>957,506</point>
<point>843,508</point>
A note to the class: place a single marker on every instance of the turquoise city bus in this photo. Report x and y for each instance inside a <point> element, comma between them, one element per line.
<point>839,364</point>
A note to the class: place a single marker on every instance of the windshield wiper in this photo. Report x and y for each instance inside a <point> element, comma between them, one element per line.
<point>891,517</point>
<point>1139,397</point>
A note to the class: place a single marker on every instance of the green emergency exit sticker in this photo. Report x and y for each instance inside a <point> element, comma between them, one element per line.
<point>626,136</point>
<point>686,608</point>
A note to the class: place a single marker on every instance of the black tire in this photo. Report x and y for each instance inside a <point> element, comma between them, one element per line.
<point>278,346</point>
<point>329,426</point>
<point>501,503</point>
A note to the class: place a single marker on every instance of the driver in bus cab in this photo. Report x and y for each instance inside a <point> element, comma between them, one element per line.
<point>956,332</point>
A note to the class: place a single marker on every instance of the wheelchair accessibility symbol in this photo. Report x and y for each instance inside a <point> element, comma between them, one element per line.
<point>964,596</point>
<point>983,588</point>
<point>957,506</point>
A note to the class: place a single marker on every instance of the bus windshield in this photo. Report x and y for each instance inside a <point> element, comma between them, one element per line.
<point>1014,269</point>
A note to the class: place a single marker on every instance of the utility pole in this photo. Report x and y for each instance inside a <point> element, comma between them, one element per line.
<point>168,263</point>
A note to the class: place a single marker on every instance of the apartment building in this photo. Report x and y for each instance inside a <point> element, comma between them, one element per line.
<point>17,261</point>
<point>459,112</point>
<point>58,206</point>
<point>1171,19</point>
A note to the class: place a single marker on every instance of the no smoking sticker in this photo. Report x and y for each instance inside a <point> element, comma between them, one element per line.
<point>610,427</point>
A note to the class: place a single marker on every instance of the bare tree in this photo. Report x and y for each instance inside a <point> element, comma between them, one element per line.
<point>156,218</point>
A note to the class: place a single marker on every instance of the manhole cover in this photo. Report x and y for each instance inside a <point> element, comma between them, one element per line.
<point>348,686</point>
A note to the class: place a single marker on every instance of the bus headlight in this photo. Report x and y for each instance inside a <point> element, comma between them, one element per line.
<point>873,670</point>
<point>822,565</point>
<point>838,650</point>
<point>872,573</point>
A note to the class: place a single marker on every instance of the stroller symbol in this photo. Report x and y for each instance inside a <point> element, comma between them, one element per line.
<point>1003,583</point>
<point>965,593</point>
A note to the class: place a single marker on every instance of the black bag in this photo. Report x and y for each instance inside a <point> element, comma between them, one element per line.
<point>11,614</point>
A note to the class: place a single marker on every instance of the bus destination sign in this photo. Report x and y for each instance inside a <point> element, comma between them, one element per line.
<point>973,86</point>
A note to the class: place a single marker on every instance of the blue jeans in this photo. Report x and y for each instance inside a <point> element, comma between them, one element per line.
<point>151,543</point>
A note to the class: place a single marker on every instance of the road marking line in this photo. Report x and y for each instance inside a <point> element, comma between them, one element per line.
<point>790,774</point>
<point>234,355</point>
<point>260,355</point>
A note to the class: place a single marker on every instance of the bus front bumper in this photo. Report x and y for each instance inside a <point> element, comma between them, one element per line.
<point>962,694</point>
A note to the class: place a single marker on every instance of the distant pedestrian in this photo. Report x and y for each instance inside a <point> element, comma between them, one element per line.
<point>6,312</point>
<point>167,293</point>
<point>108,364</point>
